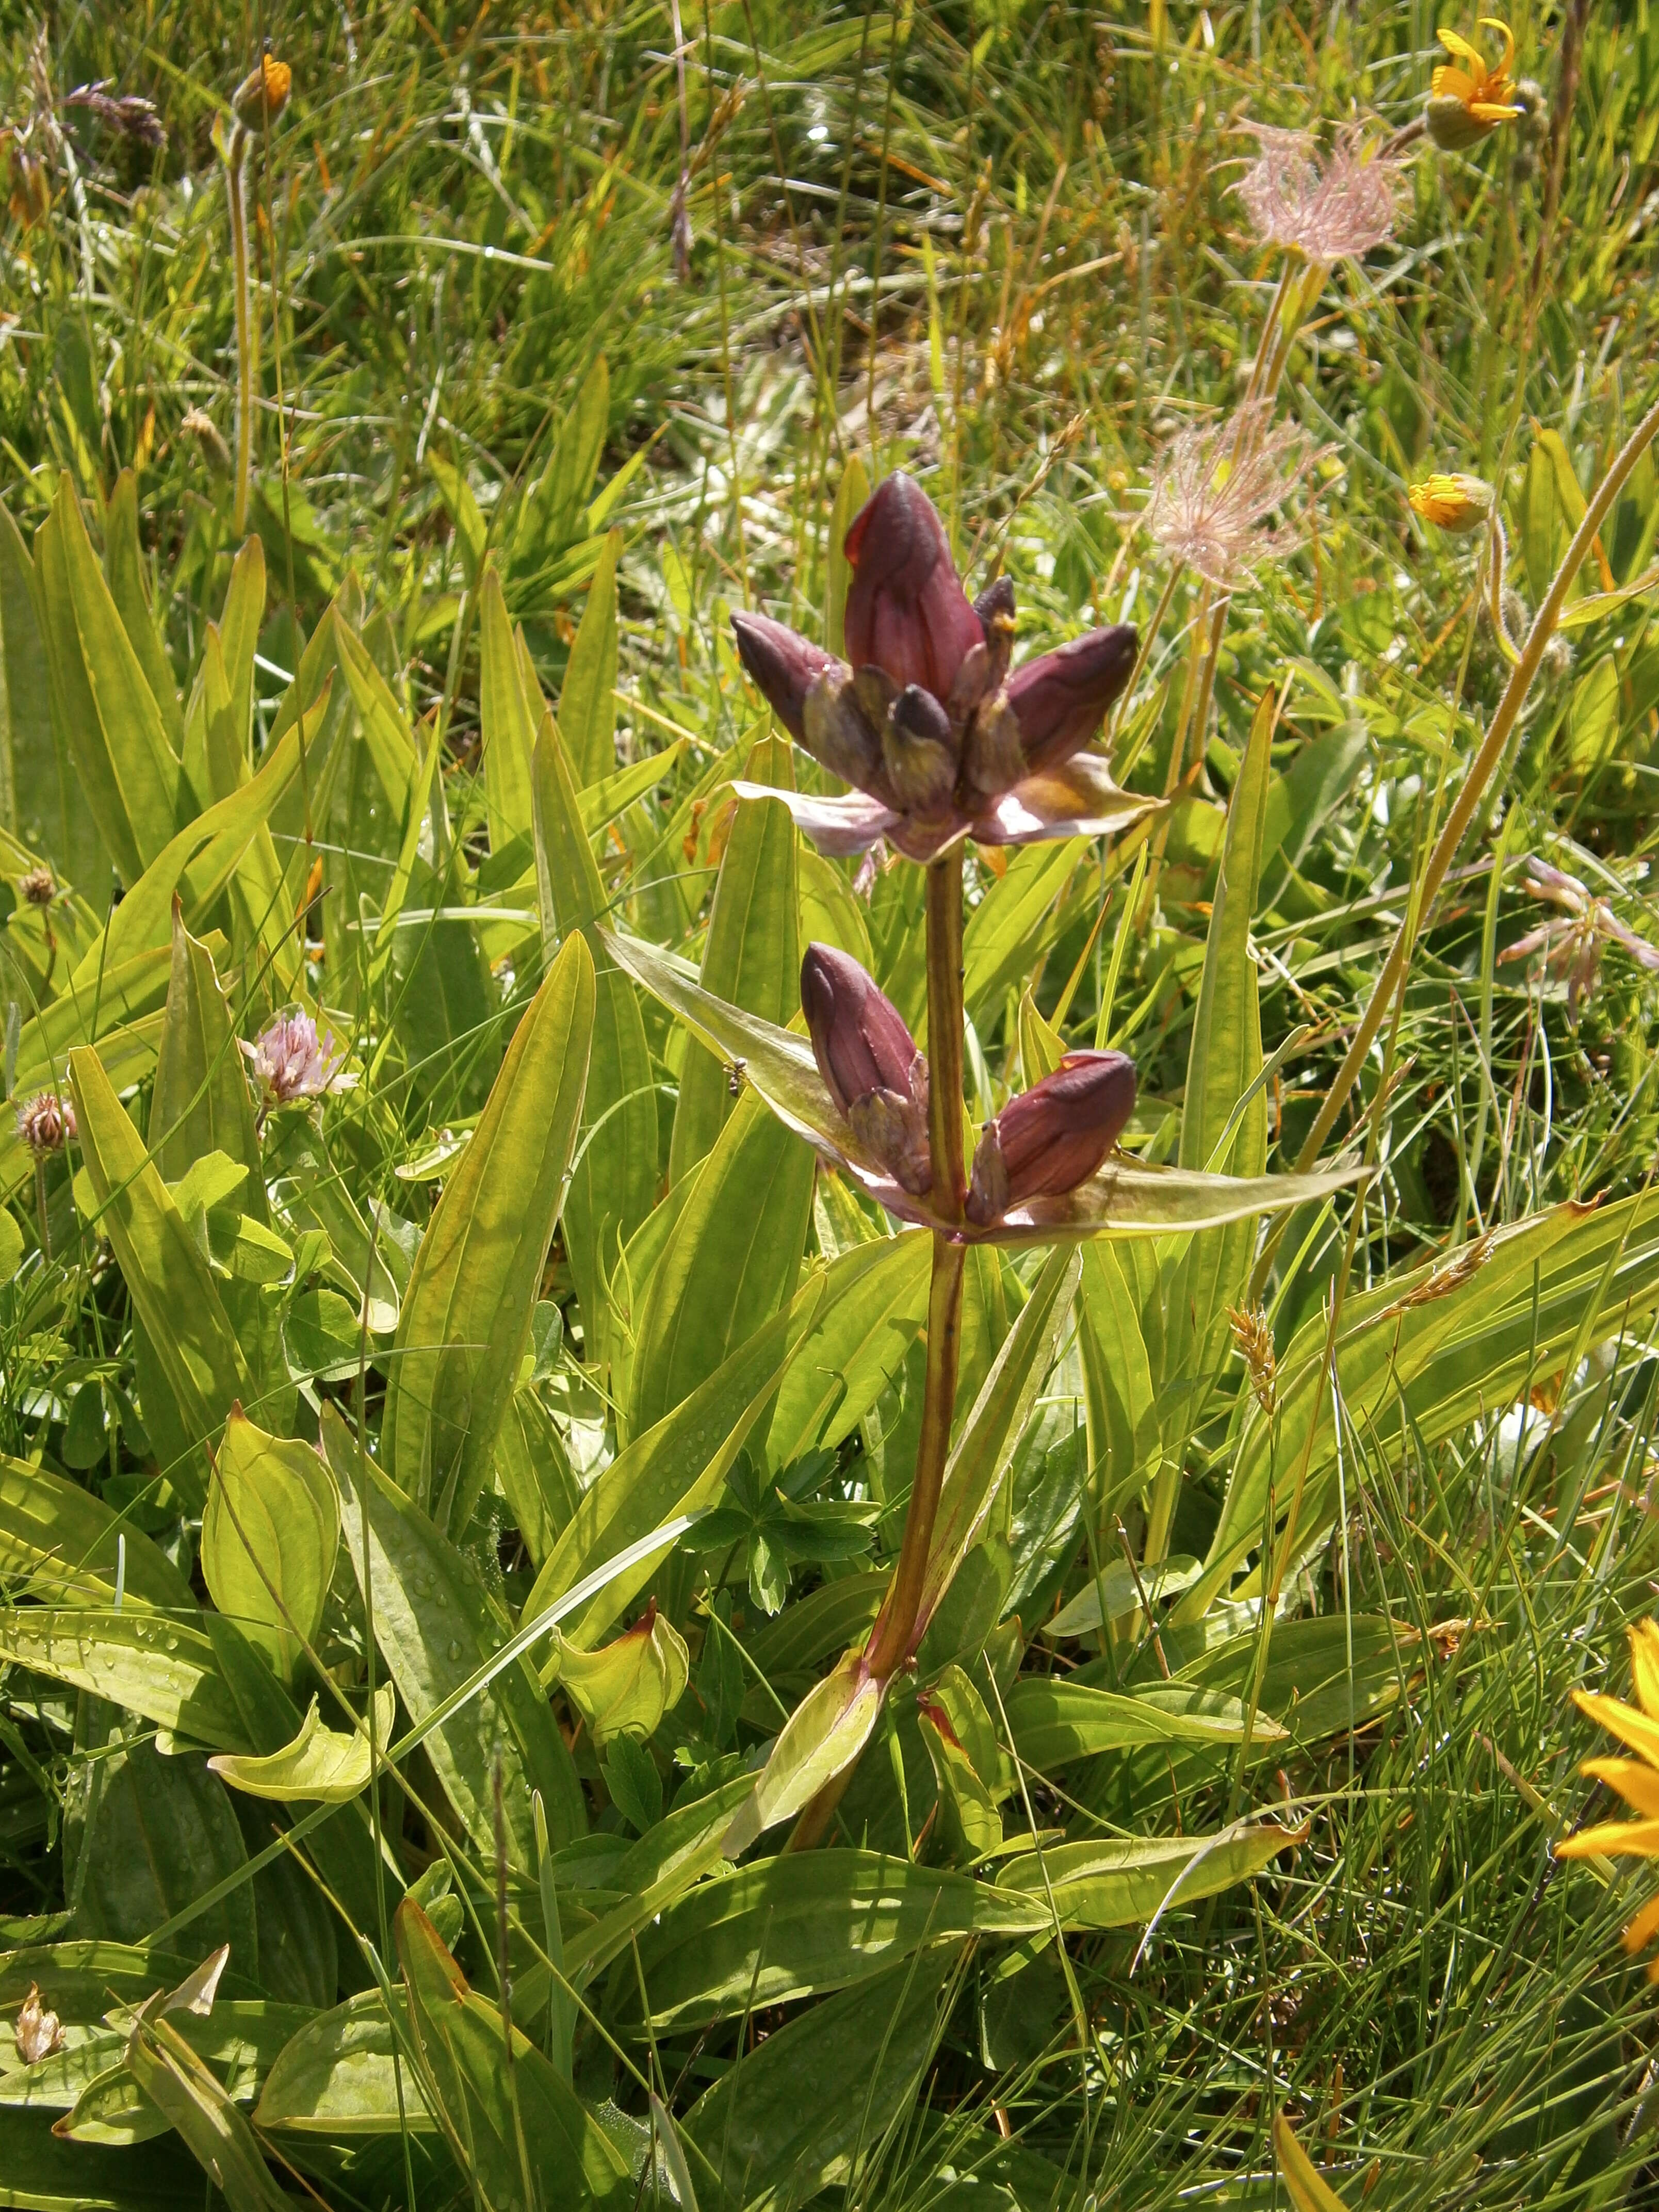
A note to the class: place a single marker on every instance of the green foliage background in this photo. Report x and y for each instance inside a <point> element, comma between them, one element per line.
<point>516,454</point>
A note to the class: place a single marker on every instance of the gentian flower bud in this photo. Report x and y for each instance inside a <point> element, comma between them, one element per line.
<point>784,665</point>
<point>1054,1136</point>
<point>1061,697</point>
<point>869,1062</point>
<point>906,610</point>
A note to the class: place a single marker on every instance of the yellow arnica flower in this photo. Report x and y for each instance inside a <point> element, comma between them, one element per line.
<point>1467,98</point>
<point>1637,1780</point>
<point>263,94</point>
<point>1457,503</point>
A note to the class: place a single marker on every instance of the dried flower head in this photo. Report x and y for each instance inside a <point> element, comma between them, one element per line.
<point>45,1123</point>
<point>1217,487</point>
<point>1336,213</point>
<point>1572,947</point>
<point>1451,1275</point>
<point>37,2032</point>
<point>200,425</point>
<point>1469,96</point>
<point>291,1061</point>
<point>1457,503</point>
<point>126,112</point>
<point>38,887</point>
<point>1253,1340</point>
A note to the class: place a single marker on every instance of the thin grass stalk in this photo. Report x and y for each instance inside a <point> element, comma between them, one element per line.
<point>1469,797</point>
<point>236,193</point>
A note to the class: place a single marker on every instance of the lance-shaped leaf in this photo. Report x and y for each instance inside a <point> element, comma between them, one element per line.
<point>820,1740</point>
<point>587,702</point>
<point>342,2075</point>
<point>129,774</point>
<point>1309,2192</point>
<point>506,725</point>
<point>1122,1881</point>
<point>437,1625</point>
<point>60,1542</point>
<point>201,1102</point>
<point>614,1184</point>
<point>165,1270</point>
<point>1056,1721</point>
<point>750,956</point>
<point>509,2114</point>
<point>465,1320</point>
<point>1125,1198</point>
<point>167,1670</point>
<point>195,2102</point>
<point>625,1687</point>
<point>326,1765</point>
<point>270,1537</point>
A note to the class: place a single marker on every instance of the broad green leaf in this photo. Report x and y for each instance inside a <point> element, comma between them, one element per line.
<point>436,1625</point>
<point>625,1687</point>
<point>1120,1393</point>
<point>327,1766</point>
<point>970,1826</point>
<point>338,2076</point>
<point>1116,1590</point>
<point>124,572</point>
<point>534,1475</point>
<point>587,702</point>
<point>201,1102</point>
<point>59,1543</point>
<point>1120,1881</point>
<point>787,2120</point>
<point>615,1181</point>
<point>385,731</point>
<point>731,1262</point>
<point>1326,1674</point>
<point>47,2174</point>
<point>676,1468</point>
<point>513,2121</point>
<point>602,802</point>
<point>195,2103</point>
<point>129,774</point>
<point>165,1270</point>
<point>200,866</point>
<point>465,1320</point>
<point>41,799</point>
<point>1056,1721</point>
<point>785,1928</point>
<point>238,639</point>
<point>507,731</point>
<point>167,1670</point>
<point>270,1537</point>
<point>750,957</point>
<point>163,1832</point>
<point>874,1301</point>
<point>820,1740</point>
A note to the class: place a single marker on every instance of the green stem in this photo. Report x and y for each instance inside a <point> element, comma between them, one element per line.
<point>236,177</point>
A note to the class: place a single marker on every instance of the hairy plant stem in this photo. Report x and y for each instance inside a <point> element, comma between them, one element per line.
<point>235,190</point>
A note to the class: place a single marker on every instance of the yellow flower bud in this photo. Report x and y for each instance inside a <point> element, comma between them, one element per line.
<point>263,94</point>
<point>1457,503</point>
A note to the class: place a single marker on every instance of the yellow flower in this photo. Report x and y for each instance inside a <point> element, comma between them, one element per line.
<point>263,94</point>
<point>1637,1780</point>
<point>1457,503</point>
<point>1467,98</point>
